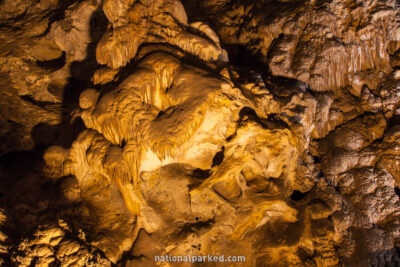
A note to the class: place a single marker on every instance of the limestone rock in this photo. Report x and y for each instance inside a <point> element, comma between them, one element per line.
<point>264,130</point>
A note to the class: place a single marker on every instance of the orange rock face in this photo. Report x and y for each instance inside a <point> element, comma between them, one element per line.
<point>164,133</point>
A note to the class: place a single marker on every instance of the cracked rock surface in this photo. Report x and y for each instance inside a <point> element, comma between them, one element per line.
<point>132,129</point>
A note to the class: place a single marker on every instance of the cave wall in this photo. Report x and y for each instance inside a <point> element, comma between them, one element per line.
<point>134,129</point>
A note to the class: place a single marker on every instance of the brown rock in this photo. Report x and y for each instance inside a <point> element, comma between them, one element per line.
<point>263,129</point>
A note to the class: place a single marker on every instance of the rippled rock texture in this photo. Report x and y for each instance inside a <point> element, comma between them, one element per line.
<point>133,129</point>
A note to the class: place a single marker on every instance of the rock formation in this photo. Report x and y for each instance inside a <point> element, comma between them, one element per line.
<point>135,129</point>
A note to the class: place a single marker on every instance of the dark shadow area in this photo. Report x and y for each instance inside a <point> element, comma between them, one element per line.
<point>28,197</point>
<point>284,87</point>
<point>19,163</point>
<point>55,90</point>
<point>394,121</point>
<point>316,159</point>
<point>58,13</point>
<point>218,158</point>
<point>246,58</point>
<point>241,56</point>
<point>43,134</point>
<point>54,64</point>
<point>363,255</point>
<point>81,73</point>
<point>31,100</point>
<point>201,174</point>
<point>387,258</point>
<point>197,11</point>
<point>397,191</point>
<point>246,62</point>
<point>297,195</point>
<point>272,122</point>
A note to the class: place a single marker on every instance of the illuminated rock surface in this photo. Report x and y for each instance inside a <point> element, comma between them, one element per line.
<point>134,129</point>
